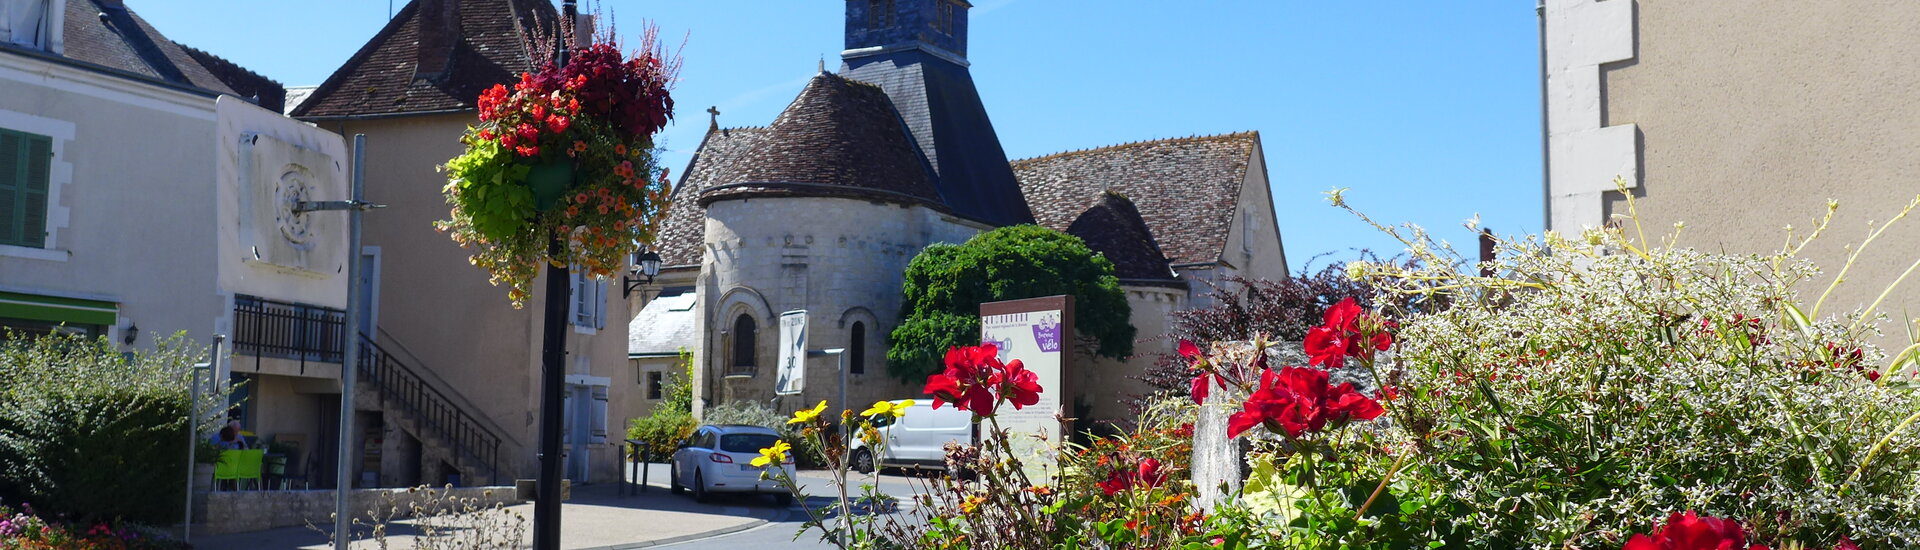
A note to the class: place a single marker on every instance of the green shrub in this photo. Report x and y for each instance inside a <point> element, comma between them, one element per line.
<point>945,285</point>
<point>672,419</point>
<point>89,434</point>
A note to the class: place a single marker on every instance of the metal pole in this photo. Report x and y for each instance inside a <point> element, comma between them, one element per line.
<point>553,351</point>
<point>350,362</point>
<point>193,427</point>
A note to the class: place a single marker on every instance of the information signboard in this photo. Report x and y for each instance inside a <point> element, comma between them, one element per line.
<point>1038,332</point>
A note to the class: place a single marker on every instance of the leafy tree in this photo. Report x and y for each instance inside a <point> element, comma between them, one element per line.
<point>672,419</point>
<point>946,283</point>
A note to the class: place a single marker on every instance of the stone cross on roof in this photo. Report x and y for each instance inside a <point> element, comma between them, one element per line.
<point>714,122</point>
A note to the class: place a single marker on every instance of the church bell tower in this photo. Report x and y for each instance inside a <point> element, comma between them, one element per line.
<point>916,50</point>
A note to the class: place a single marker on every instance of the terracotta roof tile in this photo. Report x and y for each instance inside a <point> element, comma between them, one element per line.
<point>838,138</point>
<point>684,229</point>
<point>1186,189</point>
<point>379,79</point>
<point>1112,226</point>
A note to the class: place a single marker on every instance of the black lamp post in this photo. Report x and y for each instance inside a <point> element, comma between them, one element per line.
<point>553,344</point>
<point>644,263</point>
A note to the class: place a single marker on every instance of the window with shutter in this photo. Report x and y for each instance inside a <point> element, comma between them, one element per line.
<point>24,163</point>
<point>598,417</point>
<point>589,301</point>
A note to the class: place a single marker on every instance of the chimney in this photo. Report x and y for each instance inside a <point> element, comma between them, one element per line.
<point>1486,253</point>
<point>439,24</point>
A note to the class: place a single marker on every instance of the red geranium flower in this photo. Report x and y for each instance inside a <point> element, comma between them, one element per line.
<point>1295,401</point>
<point>527,131</point>
<point>972,373</point>
<point>1019,386</point>
<point>1339,336</point>
<point>1148,475</point>
<point>1200,385</point>
<point>1691,532</point>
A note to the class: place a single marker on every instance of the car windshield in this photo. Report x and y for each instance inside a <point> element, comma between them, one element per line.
<point>746,443</point>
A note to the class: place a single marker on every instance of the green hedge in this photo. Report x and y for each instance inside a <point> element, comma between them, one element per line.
<point>90,434</point>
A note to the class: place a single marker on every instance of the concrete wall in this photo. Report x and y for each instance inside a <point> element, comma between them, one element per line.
<point>840,259</point>
<point>1105,384</point>
<point>1253,244</point>
<point>1752,114</point>
<point>131,211</point>
<point>247,511</point>
<point>443,310</point>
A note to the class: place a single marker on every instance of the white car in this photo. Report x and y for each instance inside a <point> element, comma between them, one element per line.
<point>919,438</point>
<point>719,459</point>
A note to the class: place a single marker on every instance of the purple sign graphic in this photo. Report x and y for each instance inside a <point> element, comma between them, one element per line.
<point>1047,334</point>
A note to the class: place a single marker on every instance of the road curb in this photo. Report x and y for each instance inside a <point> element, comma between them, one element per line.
<point>780,516</point>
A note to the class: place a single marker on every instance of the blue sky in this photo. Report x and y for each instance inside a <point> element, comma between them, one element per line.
<point>1428,111</point>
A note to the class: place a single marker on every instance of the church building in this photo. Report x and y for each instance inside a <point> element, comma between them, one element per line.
<point>823,208</point>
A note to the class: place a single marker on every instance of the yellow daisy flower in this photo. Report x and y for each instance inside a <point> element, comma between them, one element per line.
<point>773,455</point>
<point>888,408</point>
<point>805,416</point>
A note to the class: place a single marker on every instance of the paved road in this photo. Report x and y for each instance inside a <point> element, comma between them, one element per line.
<point>780,532</point>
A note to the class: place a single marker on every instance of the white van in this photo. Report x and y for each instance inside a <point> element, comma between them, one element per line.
<point>918,439</point>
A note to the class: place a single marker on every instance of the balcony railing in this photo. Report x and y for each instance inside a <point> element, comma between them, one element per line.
<point>286,330</point>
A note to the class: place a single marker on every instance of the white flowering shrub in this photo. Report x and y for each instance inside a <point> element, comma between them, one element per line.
<point>1588,390</point>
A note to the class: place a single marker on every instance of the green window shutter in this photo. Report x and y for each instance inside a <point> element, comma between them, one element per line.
<point>25,165</point>
<point>12,196</point>
<point>39,161</point>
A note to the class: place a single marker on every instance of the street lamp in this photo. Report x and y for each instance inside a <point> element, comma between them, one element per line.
<point>644,263</point>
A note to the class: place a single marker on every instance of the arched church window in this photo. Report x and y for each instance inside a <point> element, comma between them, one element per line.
<point>744,342</point>
<point>857,349</point>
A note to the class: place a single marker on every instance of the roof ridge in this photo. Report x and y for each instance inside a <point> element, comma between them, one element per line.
<point>242,68</point>
<point>1255,134</point>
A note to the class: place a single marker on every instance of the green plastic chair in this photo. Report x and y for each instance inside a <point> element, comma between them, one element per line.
<point>238,465</point>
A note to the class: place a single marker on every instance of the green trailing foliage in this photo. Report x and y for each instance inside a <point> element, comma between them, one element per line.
<point>89,434</point>
<point>945,285</point>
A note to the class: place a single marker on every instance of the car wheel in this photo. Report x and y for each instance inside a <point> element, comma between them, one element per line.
<point>700,493</point>
<point>673,480</point>
<point>783,499</point>
<point>863,461</point>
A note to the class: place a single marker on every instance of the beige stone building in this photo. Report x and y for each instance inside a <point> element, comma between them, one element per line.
<point>1740,118</point>
<point>463,397</point>
<point>822,209</point>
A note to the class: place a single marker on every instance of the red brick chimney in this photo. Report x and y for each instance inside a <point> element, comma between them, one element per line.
<point>439,24</point>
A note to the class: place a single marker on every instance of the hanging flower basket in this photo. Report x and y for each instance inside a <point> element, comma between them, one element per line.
<point>566,153</point>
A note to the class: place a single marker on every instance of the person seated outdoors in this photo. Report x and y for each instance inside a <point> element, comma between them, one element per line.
<point>229,437</point>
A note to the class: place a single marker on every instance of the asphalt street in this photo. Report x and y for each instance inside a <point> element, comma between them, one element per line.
<point>781,530</point>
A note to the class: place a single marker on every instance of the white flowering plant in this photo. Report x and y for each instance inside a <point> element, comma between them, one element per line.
<point>1582,393</point>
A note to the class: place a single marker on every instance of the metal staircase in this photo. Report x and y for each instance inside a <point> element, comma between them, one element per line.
<point>269,328</point>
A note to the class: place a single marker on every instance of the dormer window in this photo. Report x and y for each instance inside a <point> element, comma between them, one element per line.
<point>26,22</point>
<point>879,13</point>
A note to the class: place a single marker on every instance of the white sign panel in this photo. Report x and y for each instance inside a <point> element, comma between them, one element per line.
<point>793,353</point>
<point>1035,331</point>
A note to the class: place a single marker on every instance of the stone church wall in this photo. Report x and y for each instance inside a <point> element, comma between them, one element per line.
<point>840,259</point>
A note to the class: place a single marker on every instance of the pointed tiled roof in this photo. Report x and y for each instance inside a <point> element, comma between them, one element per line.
<point>839,138</point>
<point>1112,226</point>
<point>938,102</point>
<point>380,78</point>
<point>685,226</point>
<point>1186,189</point>
<point>109,35</point>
